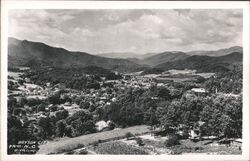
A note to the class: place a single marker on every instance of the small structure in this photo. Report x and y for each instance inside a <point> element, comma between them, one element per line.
<point>100,125</point>
<point>67,104</point>
<point>199,90</point>
<point>194,134</point>
<point>237,142</point>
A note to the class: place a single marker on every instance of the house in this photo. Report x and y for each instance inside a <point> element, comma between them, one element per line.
<point>67,104</point>
<point>113,99</point>
<point>194,134</point>
<point>103,98</point>
<point>199,90</point>
<point>160,84</point>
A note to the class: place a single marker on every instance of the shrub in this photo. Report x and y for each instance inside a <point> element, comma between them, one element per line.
<point>80,145</point>
<point>118,147</point>
<point>60,128</point>
<point>172,140</point>
<point>178,149</point>
<point>62,114</point>
<point>198,148</point>
<point>70,153</point>
<point>83,151</point>
<point>129,135</point>
<point>53,108</point>
<point>139,141</point>
<point>95,143</point>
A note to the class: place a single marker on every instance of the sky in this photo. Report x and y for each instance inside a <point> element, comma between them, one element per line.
<point>128,30</point>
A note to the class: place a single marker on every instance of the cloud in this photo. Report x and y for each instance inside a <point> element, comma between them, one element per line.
<point>142,31</point>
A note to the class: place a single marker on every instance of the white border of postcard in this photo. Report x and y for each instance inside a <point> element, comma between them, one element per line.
<point>7,5</point>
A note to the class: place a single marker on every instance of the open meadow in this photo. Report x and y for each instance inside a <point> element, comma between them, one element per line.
<point>68,144</point>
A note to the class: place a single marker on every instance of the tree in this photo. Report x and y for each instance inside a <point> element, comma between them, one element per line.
<point>18,131</point>
<point>34,101</point>
<point>129,135</point>
<point>60,128</point>
<point>223,117</point>
<point>92,108</point>
<point>65,98</point>
<point>163,92</point>
<point>112,112</point>
<point>53,108</point>
<point>171,116</point>
<point>47,126</point>
<point>84,105</point>
<point>62,114</point>
<point>172,140</point>
<point>11,85</point>
<point>21,81</point>
<point>54,99</point>
<point>81,123</point>
<point>130,115</point>
<point>12,103</point>
<point>77,100</point>
<point>41,107</point>
<point>23,101</point>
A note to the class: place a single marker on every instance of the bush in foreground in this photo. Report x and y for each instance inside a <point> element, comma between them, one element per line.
<point>172,140</point>
<point>118,147</point>
<point>129,135</point>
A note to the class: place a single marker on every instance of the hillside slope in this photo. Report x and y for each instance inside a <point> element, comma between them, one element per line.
<point>23,53</point>
<point>205,63</point>
<point>163,58</point>
<point>217,53</point>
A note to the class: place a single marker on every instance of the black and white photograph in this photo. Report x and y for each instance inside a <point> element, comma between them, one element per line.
<point>125,81</point>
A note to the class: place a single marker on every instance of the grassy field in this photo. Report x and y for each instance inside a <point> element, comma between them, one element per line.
<point>119,148</point>
<point>69,144</point>
<point>189,147</point>
<point>125,147</point>
<point>157,147</point>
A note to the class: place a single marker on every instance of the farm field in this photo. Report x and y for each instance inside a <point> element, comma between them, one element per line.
<point>205,75</point>
<point>68,144</point>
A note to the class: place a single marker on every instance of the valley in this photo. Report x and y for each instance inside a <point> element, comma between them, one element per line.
<point>78,103</point>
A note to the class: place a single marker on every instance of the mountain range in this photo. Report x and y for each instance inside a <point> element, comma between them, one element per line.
<point>217,53</point>
<point>126,55</point>
<point>23,53</point>
<point>28,53</point>
<point>205,63</point>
